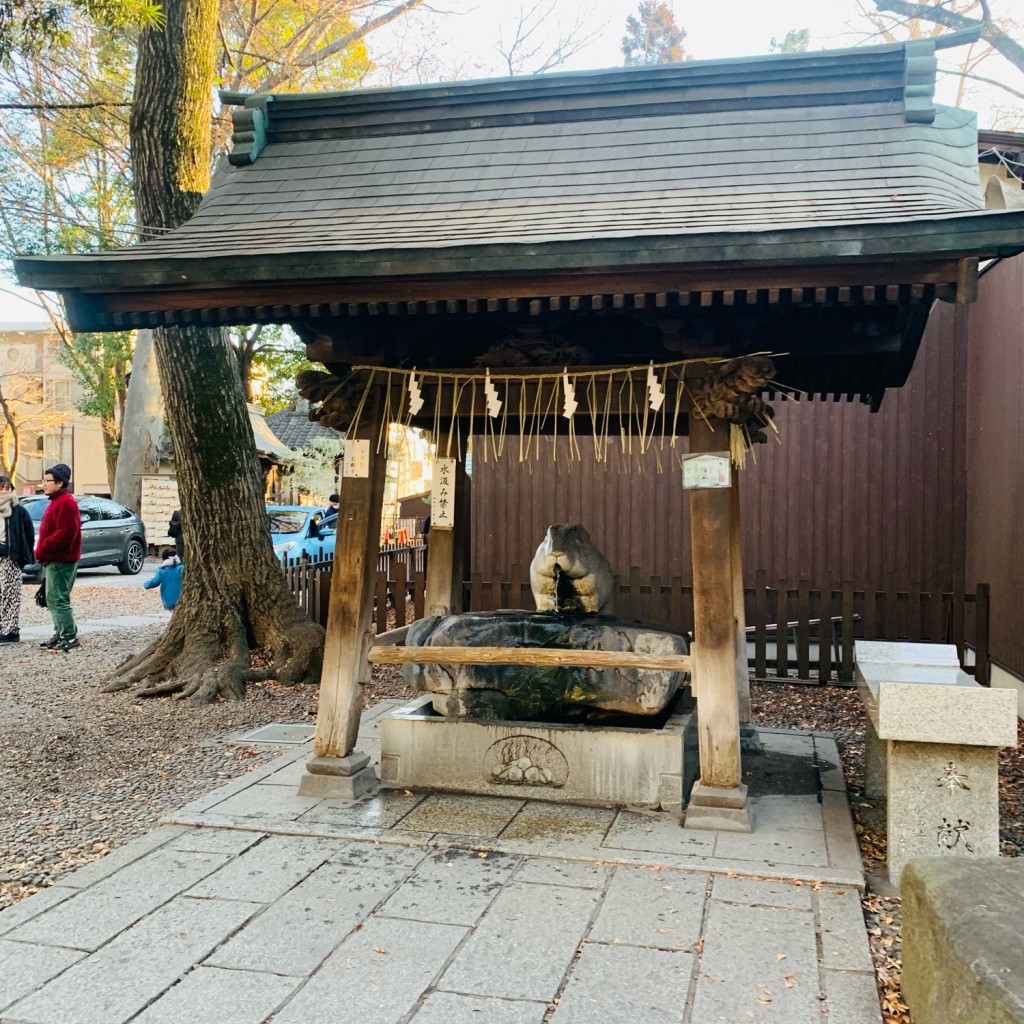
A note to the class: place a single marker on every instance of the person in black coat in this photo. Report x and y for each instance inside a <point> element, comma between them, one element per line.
<point>17,547</point>
<point>174,531</point>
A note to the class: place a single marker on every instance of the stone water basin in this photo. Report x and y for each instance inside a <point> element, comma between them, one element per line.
<point>539,693</point>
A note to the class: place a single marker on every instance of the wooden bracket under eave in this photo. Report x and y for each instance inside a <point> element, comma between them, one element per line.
<point>966,287</point>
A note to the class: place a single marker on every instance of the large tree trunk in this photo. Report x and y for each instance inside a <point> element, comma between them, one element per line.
<point>234,599</point>
<point>142,426</point>
<point>111,441</point>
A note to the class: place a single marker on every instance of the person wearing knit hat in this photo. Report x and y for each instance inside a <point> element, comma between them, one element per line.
<point>58,550</point>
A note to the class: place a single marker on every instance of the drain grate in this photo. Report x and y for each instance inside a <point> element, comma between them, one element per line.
<point>278,732</point>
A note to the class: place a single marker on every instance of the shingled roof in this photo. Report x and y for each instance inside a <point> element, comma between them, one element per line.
<point>820,157</point>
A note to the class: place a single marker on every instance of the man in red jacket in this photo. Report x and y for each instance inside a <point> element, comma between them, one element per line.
<point>58,550</point>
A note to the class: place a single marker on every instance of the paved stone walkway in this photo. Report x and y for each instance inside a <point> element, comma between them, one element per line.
<point>255,905</point>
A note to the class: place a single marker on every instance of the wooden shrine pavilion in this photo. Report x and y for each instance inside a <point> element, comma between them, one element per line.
<point>566,236</point>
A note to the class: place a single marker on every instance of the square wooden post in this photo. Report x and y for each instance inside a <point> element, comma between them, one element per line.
<point>719,799</point>
<point>749,740</point>
<point>337,769</point>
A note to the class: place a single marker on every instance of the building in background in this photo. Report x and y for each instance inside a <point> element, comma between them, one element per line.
<point>41,395</point>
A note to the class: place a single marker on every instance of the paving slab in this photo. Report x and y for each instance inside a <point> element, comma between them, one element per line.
<point>377,854</point>
<point>788,896</point>
<point>774,848</point>
<point>227,997</point>
<point>117,859</point>
<point>24,968</point>
<point>32,906</point>
<point>852,997</point>
<point>546,824</point>
<point>95,915</point>
<point>453,1008</point>
<point>297,931</point>
<point>759,963</point>
<point>616,984</point>
<point>533,931</point>
<point>779,813</point>
<point>548,871</point>
<point>451,887</point>
<point>844,944</point>
<point>267,871</point>
<point>377,975</point>
<point>659,909</point>
<point>382,810</point>
<point>215,840</point>
<point>483,816</point>
<point>657,834</point>
<point>265,801</point>
<point>115,983</point>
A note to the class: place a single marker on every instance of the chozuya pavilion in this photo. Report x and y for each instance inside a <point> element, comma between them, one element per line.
<point>472,256</point>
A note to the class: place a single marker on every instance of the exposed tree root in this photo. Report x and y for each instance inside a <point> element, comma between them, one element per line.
<point>212,660</point>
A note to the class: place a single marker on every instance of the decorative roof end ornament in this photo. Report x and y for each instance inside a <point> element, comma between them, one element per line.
<point>250,124</point>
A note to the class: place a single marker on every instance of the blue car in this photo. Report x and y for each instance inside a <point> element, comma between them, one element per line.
<point>302,531</point>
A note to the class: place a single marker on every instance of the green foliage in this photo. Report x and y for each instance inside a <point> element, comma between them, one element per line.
<point>796,40</point>
<point>30,29</point>
<point>269,358</point>
<point>653,37</point>
<point>99,362</point>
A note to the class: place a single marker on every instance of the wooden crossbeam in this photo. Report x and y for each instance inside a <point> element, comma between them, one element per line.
<point>550,657</point>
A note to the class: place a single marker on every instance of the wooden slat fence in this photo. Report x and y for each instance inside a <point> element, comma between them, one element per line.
<point>815,644</point>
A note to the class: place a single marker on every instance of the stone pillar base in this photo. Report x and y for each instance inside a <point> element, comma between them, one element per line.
<point>338,778</point>
<point>750,739</point>
<point>725,810</point>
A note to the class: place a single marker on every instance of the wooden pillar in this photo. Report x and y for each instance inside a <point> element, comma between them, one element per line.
<point>337,769</point>
<point>749,740</point>
<point>719,799</point>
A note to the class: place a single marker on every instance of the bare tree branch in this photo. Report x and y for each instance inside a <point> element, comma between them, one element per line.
<point>991,32</point>
<point>987,81</point>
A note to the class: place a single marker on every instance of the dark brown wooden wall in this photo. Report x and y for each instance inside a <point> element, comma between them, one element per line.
<point>875,500</point>
<point>995,455</point>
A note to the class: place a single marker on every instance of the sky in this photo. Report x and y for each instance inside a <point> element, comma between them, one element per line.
<point>464,33</point>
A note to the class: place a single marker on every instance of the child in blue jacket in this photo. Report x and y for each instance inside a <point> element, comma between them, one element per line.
<point>168,579</point>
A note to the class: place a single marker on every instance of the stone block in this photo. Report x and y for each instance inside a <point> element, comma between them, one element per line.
<point>876,762</point>
<point>98,913</point>
<point>24,968</point>
<point>943,800</point>
<point>376,975</point>
<point>658,909</point>
<point>581,764</point>
<point>615,984</point>
<point>963,948</point>
<point>451,887</point>
<point>890,652</point>
<point>216,840</point>
<point>298,930</point>
<point>115,983</point>
<point>535,692</point>
<point>453,1008</point>
<point>560,825</point>
<point>227,997</point>
<point>760,964</point>
<point>533,931</point>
